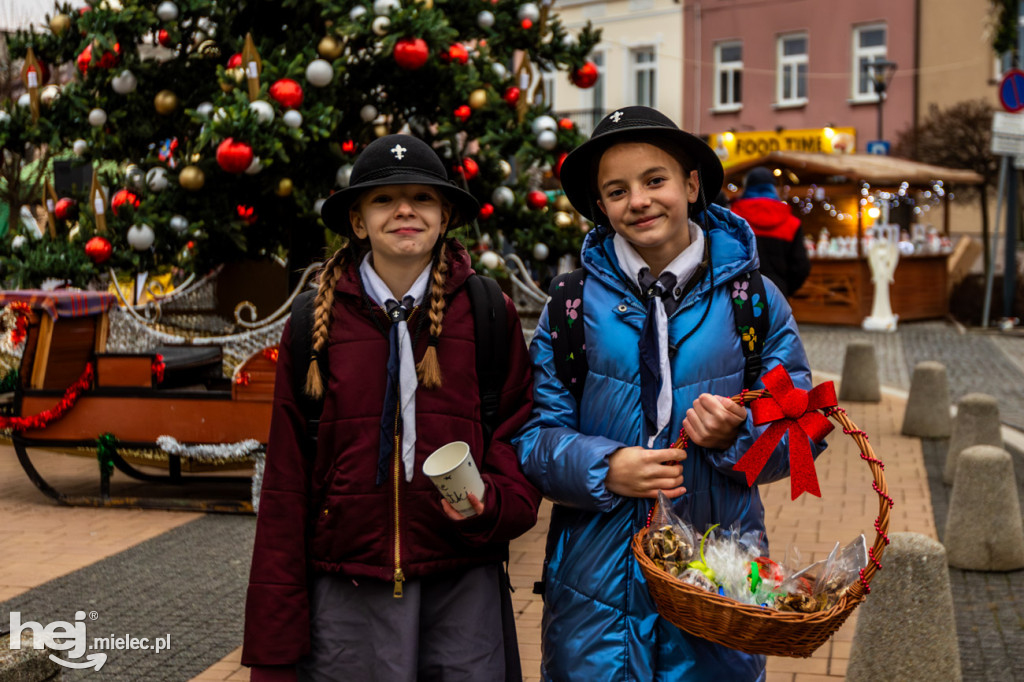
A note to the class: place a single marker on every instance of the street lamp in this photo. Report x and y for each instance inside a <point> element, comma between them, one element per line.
<point>881,73</point>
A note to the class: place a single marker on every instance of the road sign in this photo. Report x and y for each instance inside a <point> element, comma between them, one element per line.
<point>1011,90</point>
<point>880,147</point>
<point>1007,134</point>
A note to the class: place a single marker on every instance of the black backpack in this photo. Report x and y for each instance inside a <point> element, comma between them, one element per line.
<point>568,342</point>
<point>489,323</point>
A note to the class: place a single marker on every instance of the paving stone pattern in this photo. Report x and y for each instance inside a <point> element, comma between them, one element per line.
<point>196,573</point>
<point>989,606</point>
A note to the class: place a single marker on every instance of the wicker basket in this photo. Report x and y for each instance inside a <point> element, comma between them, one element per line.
<point>757,630</point>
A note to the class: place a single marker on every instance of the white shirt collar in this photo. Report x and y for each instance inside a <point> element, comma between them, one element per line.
<point>377,290</point>
<point>683,266</point>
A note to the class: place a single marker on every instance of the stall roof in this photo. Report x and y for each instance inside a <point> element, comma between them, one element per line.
<point>815,168</point>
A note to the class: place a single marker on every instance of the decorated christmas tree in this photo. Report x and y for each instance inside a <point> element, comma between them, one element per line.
<point>208,132</point>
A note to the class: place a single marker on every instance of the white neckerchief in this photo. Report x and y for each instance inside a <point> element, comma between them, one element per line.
<point>683,267</point>
<point>377,290</point>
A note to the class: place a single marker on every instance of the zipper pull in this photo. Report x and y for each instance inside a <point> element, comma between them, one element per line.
<point>399,579</point>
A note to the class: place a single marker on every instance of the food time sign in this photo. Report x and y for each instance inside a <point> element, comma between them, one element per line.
<point>733,148</point>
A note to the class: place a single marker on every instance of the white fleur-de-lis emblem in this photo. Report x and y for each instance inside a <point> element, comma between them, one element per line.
<point>399,151</point>
<point>616,116</point>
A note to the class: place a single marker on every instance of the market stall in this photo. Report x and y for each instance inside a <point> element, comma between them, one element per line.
<point>840,199</point>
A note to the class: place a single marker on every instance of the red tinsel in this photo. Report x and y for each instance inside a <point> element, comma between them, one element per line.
<point>158,368</point>
<point>44,418</point>
<point>242,378</point>
<point>21,310</point>
<point>270,353</point>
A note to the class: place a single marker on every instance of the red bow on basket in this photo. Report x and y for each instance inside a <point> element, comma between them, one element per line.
<point>792,410</point>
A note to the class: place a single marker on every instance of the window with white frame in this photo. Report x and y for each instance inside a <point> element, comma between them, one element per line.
<point>869,45</point>
<point>728,76</point>
<point>644,67</point>
<point>548,87</point>
<point>791,80</point>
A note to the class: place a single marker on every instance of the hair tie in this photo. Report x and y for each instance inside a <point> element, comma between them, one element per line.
<point>432,341</point>
<point>313,355</point>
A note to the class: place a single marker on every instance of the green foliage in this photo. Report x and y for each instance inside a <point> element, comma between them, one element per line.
<point>235,216</point>
<point>1004,35</point>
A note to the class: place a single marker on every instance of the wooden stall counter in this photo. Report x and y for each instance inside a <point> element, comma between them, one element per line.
<point>840,290</point>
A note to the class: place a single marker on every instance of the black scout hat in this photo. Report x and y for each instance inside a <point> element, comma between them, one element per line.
<point>635,124</point>
<point>396,160</point>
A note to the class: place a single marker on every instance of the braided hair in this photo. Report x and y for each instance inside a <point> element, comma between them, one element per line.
<point>328,276</point>
<point>429,368</point>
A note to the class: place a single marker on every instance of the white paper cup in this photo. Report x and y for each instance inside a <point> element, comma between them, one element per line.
<point>455,474</point>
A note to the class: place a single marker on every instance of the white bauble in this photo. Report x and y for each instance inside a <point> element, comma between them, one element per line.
<point>263,110</point>
<point>97,117</point>
<point>319,73</point>
<point>542,123</point>
<point>80,147</point>
<point>19,241</point>
<point>528,10</point>
<point>499,70</point>
<point>111,5</point>
<point>179,223</point>
<point>547,140</point>
<point>368,113</point>
<point>569,40</point>
<point>167,11</point>
<point>490,260</point>
<point>255,166</point>
<point>156,179</point>
<point>141,237</point>
<point>357,12</point>
<point>25,100</point>
<point>381,25</point>
<point>220,114</point>
<point>124,82</point>
<point>134,178</point>
<point>318,205</point>
<point>5,118</point>
<point>49,94</point>
<point>381,7</point>
<point>344,174</point>
<point>292,118</point>
<point>485,19</point>
<point>205,109</point>
<point>206,24</point>
<point>541,251</point>
<point>503,196</point>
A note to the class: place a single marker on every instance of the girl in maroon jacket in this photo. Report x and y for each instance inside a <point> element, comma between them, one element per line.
<point>361,570</point>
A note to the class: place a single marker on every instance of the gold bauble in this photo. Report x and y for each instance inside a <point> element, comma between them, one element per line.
<point>429,4</point>
<point>165,102</point>
<point>380,130</point>
<point>478,98</point>
<point>329,47</point>
<point>192,178</point>
<point>562,203</point>
<point>284,187</point>
<point>60,23</point>
<point>562,219</point>
<point>505,168</point>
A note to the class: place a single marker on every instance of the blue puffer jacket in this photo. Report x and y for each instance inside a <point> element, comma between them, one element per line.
<point>599,621</point>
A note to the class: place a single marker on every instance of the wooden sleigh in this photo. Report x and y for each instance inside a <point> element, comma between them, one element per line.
<point>75,387</point>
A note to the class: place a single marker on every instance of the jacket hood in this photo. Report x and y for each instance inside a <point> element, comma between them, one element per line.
<point>733,251</point>
<point>767,217</point>
<point>459,269</point>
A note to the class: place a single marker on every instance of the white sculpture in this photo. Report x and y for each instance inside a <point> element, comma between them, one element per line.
<point>883,256</point>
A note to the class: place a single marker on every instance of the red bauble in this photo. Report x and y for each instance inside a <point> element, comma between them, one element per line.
<point>486,211</point>
<point>458,53</point>
<point>411,53</point>
<point>469,168</point>
<point>235,61</point>
<point>348,146</point>
<point>558,164</point>
<point>64,208</point>
<point>287,93</point>
<point>565,123</point>
<point>163,37</point>
<point>122,197</point>
<point>462,113</point>
<point>247,214</point>
<point>106,61</point>
<point>585,76</point>
<point>527,24</point>
<point>536,200</point>
<point>98,249</point>
<point>511,95</point>
<point>234,157</point>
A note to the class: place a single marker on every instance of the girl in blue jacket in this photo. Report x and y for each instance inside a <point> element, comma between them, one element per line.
<point>658,265</point>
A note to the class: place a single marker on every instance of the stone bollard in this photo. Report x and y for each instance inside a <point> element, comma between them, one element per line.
<point>906,629</point>
<point>26,664</point>
<point>927,413</point>
<point>860,374</point>
<point>984,531</point>
<point>976,423</point>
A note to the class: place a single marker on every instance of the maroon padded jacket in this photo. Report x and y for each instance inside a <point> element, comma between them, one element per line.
<point>329,514</point>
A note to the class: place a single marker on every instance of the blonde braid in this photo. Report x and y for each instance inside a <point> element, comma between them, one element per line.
<point>429,369</point>
<point>330,273</point>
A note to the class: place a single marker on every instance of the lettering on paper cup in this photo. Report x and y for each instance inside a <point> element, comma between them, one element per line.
<point>455,474</point>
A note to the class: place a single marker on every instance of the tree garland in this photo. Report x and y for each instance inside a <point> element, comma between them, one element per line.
<point>15,318</point>
<point>46,417</point>
<point>246,450</point>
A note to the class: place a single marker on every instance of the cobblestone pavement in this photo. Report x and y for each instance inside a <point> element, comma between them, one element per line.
<point>976,361</point>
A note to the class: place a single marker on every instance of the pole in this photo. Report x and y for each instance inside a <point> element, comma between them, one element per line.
<point>881,101</point>
<point>1010,246</point>
<point>991,274</point>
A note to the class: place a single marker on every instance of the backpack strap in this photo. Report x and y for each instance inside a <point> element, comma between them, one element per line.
<point>750,312</point>
<point>302,353</point>
<point>489,323</point>
<point>568,342</point>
